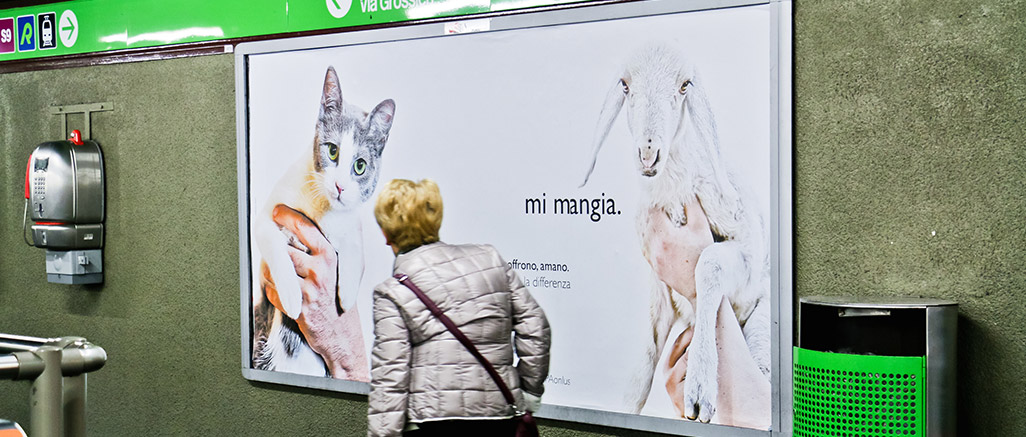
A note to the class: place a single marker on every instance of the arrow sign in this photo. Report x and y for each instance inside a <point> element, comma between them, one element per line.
<point>68,28</point>
<point>339,8</point>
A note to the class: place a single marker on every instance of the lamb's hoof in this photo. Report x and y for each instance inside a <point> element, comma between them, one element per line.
<point>700,392</point>
<point>698,409</point>
<point>679,220</point>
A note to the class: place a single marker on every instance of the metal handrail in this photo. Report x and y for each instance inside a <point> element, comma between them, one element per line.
<point>16,343</point>
<point>8,366</point>
<point>57,368</point>
<point>27,339</point>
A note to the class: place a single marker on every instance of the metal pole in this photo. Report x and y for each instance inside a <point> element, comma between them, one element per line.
<point>73,368</point>
<point>75,406</point>
<point>45,397</point>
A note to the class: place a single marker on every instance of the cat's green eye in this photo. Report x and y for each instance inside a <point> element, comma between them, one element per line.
<point>333,152</point>
<point>359,166</point>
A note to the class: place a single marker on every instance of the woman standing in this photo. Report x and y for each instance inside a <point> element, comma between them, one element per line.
<point>423,380</point>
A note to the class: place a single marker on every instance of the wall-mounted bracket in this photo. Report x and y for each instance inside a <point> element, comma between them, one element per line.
<point>84,108</point>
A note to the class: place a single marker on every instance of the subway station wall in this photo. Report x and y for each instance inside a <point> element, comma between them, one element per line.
<point>909,175</point>
<point>909,169</point>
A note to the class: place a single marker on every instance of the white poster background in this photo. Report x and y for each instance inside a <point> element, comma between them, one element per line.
<point>499,117</point>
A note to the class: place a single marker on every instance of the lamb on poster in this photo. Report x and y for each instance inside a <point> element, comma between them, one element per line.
<point>677,155</point>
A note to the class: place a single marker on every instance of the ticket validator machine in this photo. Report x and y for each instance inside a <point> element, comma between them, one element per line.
<point>64,194</point>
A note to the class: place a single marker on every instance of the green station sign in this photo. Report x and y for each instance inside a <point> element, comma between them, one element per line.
<point>90,26</point>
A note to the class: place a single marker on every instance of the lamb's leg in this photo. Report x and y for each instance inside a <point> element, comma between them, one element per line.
<point>720,271</point>
<point>661,318</point>
<point>757,335</point>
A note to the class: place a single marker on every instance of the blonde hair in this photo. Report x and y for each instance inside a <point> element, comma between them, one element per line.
<point>409,213</point>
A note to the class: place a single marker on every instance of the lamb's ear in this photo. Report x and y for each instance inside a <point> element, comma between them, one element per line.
<point>610,109</point>
<point>331,95</point>
<point>379,122</point>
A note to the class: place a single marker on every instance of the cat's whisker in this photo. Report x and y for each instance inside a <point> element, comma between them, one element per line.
<point>313,185</point>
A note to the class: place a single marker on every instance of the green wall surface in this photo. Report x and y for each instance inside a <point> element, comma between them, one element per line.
<point>909,175</point>
<point>909,181</point>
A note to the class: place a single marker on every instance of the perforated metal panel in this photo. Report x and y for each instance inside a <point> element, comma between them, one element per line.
<point>847,395</point>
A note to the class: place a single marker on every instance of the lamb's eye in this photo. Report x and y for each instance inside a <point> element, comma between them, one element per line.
<point>626,89</point>
<point>333,152</point>
<point>359,166</point>
<point>684,86</point>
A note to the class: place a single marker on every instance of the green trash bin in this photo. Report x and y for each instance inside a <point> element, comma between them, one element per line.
<point>882,367</point>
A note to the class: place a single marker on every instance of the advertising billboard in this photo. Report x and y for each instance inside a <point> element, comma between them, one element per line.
<point>627,167</point>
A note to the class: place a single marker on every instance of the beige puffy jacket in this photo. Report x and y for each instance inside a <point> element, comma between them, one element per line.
<point>421,372</point>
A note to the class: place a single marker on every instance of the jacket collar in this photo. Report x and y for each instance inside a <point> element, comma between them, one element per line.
<point>402,257</point>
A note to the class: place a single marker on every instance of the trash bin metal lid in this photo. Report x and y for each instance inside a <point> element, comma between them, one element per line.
<point>890,302</point>
<point>10,429</point>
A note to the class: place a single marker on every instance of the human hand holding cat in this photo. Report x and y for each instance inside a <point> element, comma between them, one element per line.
<point>337,338</point>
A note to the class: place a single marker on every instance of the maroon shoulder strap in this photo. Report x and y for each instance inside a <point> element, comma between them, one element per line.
<point>405,280</point>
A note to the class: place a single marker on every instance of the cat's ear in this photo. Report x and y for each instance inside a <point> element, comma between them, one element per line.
<point>379,122</point>
<point>331,96</point>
